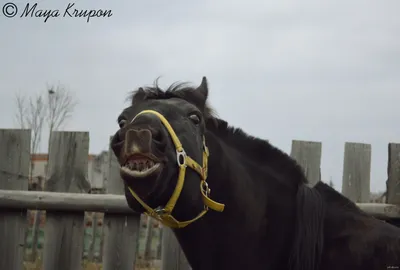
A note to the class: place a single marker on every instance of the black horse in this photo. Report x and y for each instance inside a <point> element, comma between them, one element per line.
<point>267,217</point>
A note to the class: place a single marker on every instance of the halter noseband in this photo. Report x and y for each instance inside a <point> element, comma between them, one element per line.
<point>164,214</point>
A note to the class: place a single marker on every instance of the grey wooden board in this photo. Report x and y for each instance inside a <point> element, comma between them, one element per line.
<point>393,183</point>
<point>67,168</point>
<point>148,238</point>
<point>120,242</point>
<point>63,245</point>
<point>14,171</point>
<point>95,231</point>
<point>120,232</point>
<point>356,172</point>
<point>172,256</point>
<point>308,156</point>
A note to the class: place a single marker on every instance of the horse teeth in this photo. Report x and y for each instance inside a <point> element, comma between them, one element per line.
<point>146,169</point>
<point>149,164</point>
<point>140,165</point>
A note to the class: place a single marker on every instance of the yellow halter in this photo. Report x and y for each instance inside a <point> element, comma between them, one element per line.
<point>164,214</point>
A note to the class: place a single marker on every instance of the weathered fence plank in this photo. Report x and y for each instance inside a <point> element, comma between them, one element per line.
<point>159,244</point>
<point>121,233</point>
<point>172,256</point>
<point>36,224</point>
<point>148,239</point>
<point>356,172</point>
<point>95,232</point>
<point>68,170</point>
<point>393,171</point>
<point>308,155</point>
<point>14,171</point>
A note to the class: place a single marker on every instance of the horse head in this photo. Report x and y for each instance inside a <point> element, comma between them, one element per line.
<point>162,152</point>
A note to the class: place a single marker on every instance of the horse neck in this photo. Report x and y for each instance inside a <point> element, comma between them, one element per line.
<point>251,202</point>
<point>246,181</point>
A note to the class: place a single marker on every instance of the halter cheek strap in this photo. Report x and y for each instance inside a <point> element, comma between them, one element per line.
<point>183,160</point>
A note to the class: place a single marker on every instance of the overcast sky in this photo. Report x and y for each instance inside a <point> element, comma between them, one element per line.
<point>324,71</point>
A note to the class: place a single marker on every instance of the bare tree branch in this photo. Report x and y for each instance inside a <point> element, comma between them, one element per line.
<point>21,110</point>
<point>37,110</point>
<point>55,107</point>
<point>31,115</point>
<point>61,104</point>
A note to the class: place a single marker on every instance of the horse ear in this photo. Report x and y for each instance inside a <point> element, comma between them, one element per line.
<point>202,90</point>
<point>139,94</point>
<point>141,91</point>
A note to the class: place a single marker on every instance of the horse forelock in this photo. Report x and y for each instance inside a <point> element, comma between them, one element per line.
<point>182,90</point>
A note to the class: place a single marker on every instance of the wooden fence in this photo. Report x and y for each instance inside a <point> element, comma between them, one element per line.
<point>66,200</point>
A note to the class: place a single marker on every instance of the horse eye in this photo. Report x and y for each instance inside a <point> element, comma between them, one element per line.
<point>122,123</point>
<point>195,118</point>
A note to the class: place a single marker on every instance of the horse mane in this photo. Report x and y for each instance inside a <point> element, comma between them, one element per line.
<point>308,236</point>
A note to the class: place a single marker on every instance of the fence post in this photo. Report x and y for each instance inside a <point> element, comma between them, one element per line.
<point>356,172</point>
<point>120,232</point>
<point>308,156</point>
<point>68,172</point>
<point>393,171</point>
<point>14,171</point>
<point>172,256</point>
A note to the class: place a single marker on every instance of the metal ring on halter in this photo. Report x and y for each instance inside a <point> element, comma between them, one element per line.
<point>159,210</point>
<point>181,157</point>
<point>205,188</point>
<point>206,191</point>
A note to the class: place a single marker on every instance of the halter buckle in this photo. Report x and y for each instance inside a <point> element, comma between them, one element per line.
<point>181,157</point>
